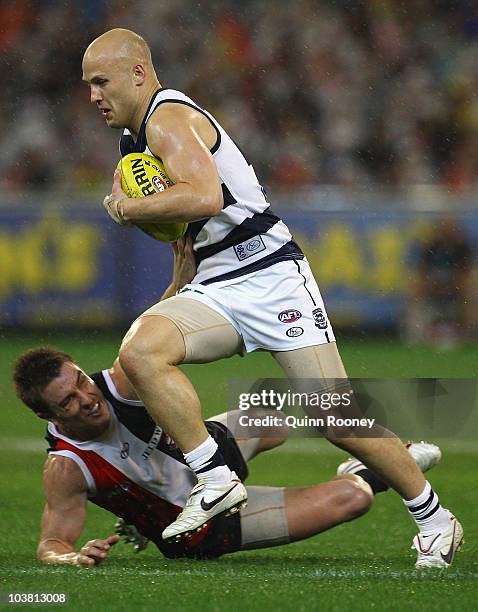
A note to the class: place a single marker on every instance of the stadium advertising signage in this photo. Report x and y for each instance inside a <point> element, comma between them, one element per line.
<point>75,268</point>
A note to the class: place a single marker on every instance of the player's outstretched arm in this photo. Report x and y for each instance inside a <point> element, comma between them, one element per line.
<point>176,134</point>
<point>64,517</point>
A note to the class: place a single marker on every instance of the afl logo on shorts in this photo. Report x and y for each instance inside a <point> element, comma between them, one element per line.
<point>319,318</point>
<point>289,316</point>
<point>294,332</point>
<point>158,183</point>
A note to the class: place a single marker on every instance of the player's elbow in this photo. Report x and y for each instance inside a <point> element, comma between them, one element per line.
<point>46,559</point>
<point>209,197</point>
<point>211,203</point>
<point>42,553</point>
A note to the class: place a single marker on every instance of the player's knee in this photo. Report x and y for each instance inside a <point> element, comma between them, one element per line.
<point>130,356</point>
<point>151,342</point>
<point>356,496</point>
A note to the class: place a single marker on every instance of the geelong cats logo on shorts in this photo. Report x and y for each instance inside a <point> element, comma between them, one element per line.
<point>319,318</point>
<point>289,316</point>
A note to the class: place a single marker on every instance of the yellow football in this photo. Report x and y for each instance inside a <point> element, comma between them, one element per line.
<point>143,175</point>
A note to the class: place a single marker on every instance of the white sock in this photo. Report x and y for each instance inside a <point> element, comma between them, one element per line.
<point>207,462</point>
<point>427,511</point>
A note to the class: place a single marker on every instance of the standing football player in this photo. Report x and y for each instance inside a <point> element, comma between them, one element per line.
<point>250,271</point>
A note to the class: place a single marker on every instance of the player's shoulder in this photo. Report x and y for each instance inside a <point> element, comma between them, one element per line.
<point>173,126</point>
<point>61,474</point>
<point>171,115</point>
<point>171,106</point>
<point>171,96</point>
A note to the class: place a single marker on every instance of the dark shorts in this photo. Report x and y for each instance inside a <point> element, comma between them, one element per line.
<point>228,447</point>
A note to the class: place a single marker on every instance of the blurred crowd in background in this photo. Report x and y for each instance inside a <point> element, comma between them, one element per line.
<point>351,93</point>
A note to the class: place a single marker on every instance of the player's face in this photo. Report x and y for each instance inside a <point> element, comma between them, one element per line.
<point>77,403</point>
<point>112,90</point>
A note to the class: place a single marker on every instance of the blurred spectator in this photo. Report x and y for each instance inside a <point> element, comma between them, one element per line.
<point>441,308</point>
<point>353,93</point>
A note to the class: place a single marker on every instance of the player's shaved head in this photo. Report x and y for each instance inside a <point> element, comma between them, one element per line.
<point>119,70</point>
<point>119,45</point>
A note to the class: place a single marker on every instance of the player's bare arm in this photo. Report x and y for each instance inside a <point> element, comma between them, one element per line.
<point>184,266</point>
<point>181,137</point>
<point>64,517</point>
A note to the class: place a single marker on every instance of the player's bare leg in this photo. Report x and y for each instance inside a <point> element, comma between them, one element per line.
<point>149,355</point>
<point>281,515</point>
<point>311,510</point>
<point>387,458</point>
<point>278,516</point>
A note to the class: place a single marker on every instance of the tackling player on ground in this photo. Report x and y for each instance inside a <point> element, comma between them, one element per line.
<point>250,271</point>
<point>104,447</point>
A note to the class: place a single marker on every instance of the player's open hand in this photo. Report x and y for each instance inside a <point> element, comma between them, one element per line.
<point>116,200</point>
<point>184,263</point>
<point>96,551</point>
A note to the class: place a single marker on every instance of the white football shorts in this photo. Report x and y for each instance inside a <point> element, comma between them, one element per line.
<point>279,308</point>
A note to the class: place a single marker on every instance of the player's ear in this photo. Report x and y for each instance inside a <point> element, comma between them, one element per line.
<point>139,74</point>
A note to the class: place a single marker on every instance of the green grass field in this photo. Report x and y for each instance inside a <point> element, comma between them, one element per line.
<point>364,565</point>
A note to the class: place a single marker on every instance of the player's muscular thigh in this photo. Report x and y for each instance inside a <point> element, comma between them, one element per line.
<point>321,362</point>
<point>207,335</point>
<point>151,337</point>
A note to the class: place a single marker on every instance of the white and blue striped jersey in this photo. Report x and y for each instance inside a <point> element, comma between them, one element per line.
<point>246,236</point>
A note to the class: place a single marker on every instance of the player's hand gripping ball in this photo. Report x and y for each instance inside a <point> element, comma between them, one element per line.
<point>144,175</point>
